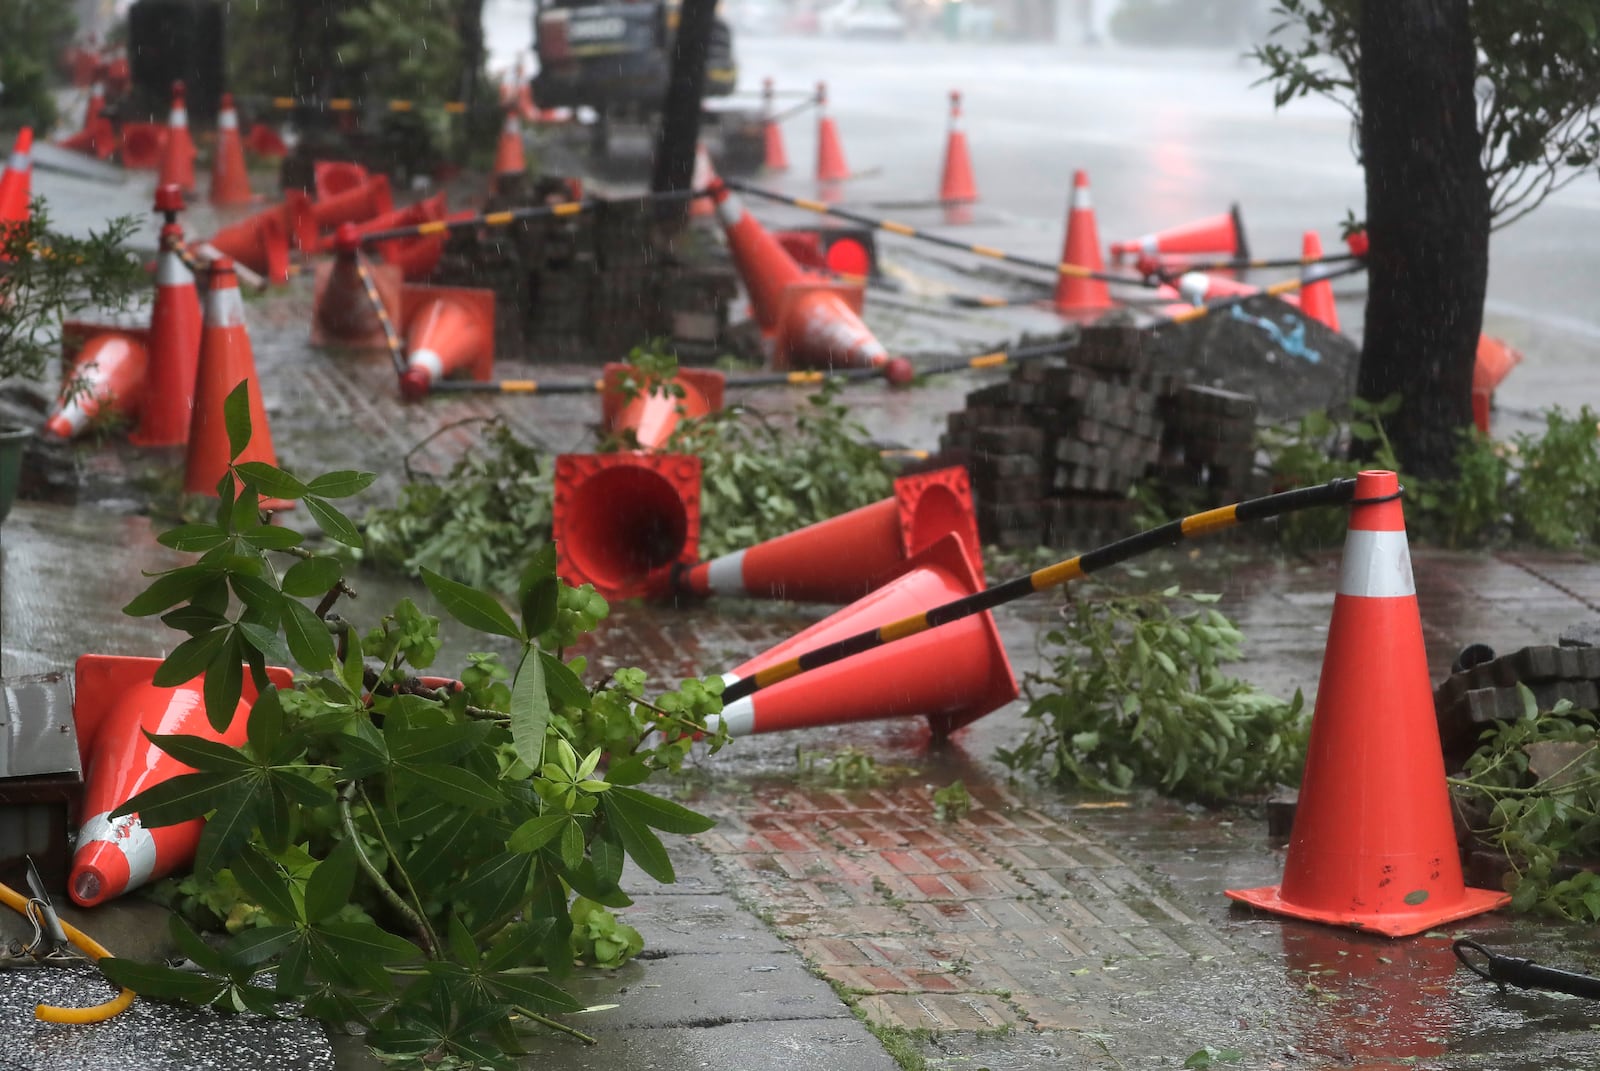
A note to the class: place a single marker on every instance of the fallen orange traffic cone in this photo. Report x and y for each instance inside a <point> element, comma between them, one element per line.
<point>177,155</point>
<point>652,414</point>
<point>1199,287</point>
<point>509,158</point>
<point>261,242</point>
<point>830,153</point>
<point>174,346</point>
<point>448,330</point>
<point>808,322</point>
<point>1495,360</point>
<point>415,257</point>
<point>776,157</point>
<point>16,185</point>
<point>956,184</point>
<point>845,557</point>
<point>625,522</point>
<point>225,362</point>
<point>1374,845</point>
<point>1316,299</point>
<point>108,377</point>
<point>1074,293</point>
<point>230,180</point>
<point>951,675</point>
<point>116,703</point>
<point>1220,234</point>
<point>704,176</point>
<point>142,145</point>
<point>345,309</point>
<point>265,141</point>
<point>371,198</point>
<point>329,178</point>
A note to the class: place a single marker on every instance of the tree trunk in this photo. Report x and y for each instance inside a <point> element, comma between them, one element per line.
<point>680,112</point>
<point>469,28</point>
<point>1428,217</point>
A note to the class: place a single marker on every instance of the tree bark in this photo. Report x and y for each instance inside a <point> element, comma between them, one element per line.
<point>1428,219</point>
<point>469,28</point>
<point>680,112</point>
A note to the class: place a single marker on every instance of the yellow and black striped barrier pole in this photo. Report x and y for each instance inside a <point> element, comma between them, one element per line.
<point>1168,272</point>
<point>350,104</point>
<point>1334,493</point>
<point>515,215</point>
<point>904,230</point>
<point>391,337</point>
<point>1286,286</point>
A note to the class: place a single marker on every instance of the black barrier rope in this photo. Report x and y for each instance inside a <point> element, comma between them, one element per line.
<point>796,378</point>
<point>1334,493</point>
<point>1167,273</point>
<point>1525,974</point>
<point>515,215</point>
<point>904,230</point>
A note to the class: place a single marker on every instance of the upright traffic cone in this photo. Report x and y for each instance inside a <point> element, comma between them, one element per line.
<point>230,180</point>
<point>1220,234</point>
<point>776,157</point>
<point>225,362</point>
<point>97,137</point>
<point>1495,360</point>
<point>956,185</point>
<point>1316,299</point>
<point>16,185</point>
<point>177,156</point>
<point>108,377</point>
<point>625,522</point>
<point>704,176</point>
<point>353,299</point>
<point>952,675</point>
<point>830,153</point>
<point>116,704</point>
<point>808,322</point>
<point>175,324</point>
<point>845,557</point>
<point>447,330</point>
<point>652,413</point>
<point>509,158</point>
<point>1374,845</point>
<point>1074,293</point>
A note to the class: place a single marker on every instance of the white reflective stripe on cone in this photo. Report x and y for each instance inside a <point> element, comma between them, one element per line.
<point>1080,198</point>
<point>730,210</point>
<point>20,161</point>
<point>1193,286</point>
<point>224,307</point>
<point>172,271</point>
<point>427,360</point>
<point>180,117</point>
<point>129,836</point>
<point>73,412</point>
<point>228,120</point>
<point>725,575</point>
<point>739,716</point>
<point>1150,245</point>
<point>1376,565</point>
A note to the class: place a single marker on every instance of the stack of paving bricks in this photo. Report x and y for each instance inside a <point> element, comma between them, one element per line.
<point>1468,702</point>
<point>1054,450</point>
<point>1209,443</point>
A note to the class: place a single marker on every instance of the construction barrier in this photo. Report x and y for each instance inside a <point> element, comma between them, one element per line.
<point>507,218</point>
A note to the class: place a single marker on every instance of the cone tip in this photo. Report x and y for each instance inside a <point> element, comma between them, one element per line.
<point>227,102</point>
<point>169,198</point>
<point>1080,179</point>
<point>24,140</point>
<point>1311,244</point>
<point>178,90</point>
<point>415,384</point>
<point>89,886</point>
<point>347,238</point>
<point>1376,483</point>
<point>899,372</point>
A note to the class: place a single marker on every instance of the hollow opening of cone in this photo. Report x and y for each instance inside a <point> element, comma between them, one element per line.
<point>88,885</point>
<point>625,523</point>
<point>848,257</point>
<point>939,512</point>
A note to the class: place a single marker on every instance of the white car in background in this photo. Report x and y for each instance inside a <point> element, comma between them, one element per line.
<point>862,18</point>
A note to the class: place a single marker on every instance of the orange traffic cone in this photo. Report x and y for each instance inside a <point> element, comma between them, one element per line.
<point>168,406</point>
<point>704,176</point>
<point>225,362</point>
<point>116,704</point>
<point>830,153</point>
<point>344,311</point>
<point>1374,845</point>
<point>1495,360</point>
<point>776,157</point>
<point>230,181</point>
<point>96,138</point>
<point>261,242</point>
<point>1222,234</point>
<point>372,198</point>
<point>1198,287</point>
<point>142,145</point>
<point>107,377</point>
<point>843,558</point>
<point>329,178</point>
<point>625,522</point>
<point>508,155</point>
<point>16,185</point>
<point>956,184</point>
<point>177,156</point>
<point>1082,249</point>
<point>651,415</point>
<point>265,141</point>
<point>1316,299</point>
<point>448,329</point>
<point>415,257</point>
<point>973,675</point>
<point>808,322</point>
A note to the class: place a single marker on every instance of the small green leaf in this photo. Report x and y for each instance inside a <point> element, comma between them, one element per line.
<point>535,833</point>
<point>642,846</point>
<point>662,814</point>
<point>607,854</point>
<point>312,577</point>
<point>168,590</point>
<point>228,829</point>
<point>194,538</point>
<point>530,710</point>
<point>265,883</point>
<point>205,756</point>
<point>328,888</point>
<point>473,608</point>
<point>265,640</point>
<point>270,537</point>
<point>223,684</point>
<point>458,786</point>
<point>563,685</point>
<point>270,481</point>
<point>572,845</point>
<point>331,521</point>
<point>257,945</point>
<point>265,726</point>
<point>363,940</point>
<point>1417,896</point>
<point>236,418</point>
<point>179,799</point>
<point>308,636</point>
<point>161,983</point>
<point>341,484</point>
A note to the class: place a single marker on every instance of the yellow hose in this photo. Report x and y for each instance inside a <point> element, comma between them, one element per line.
<point>49,1012</point>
